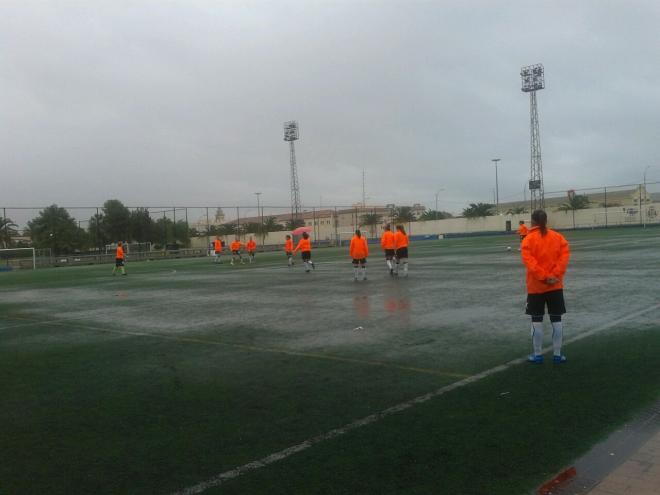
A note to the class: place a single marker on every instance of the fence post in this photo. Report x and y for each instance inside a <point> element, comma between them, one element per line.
<point>314,226</point>
<point>336,222</point>
<point>605,189</point>
<point>641,221</point>
<point>208,227</point>
<point>4,218</point>
<point>238,222</point>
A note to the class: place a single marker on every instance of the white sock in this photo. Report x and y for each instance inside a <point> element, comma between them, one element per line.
<point>557,337</point>
<point>396,267</point>
<point>389,264</point>
<point>355,272</point>
<point>364,272</point>
<point>405,268</point>
<point>306,265</point>
<point>537,337</point>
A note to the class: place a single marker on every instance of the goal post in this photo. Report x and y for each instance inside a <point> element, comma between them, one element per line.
<point>11,258</point>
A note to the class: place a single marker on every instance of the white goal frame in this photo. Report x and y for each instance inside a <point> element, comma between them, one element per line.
<point>34,254</point>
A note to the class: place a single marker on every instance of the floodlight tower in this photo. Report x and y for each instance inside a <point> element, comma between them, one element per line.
<point>533,79</point>
<point>291,135</point>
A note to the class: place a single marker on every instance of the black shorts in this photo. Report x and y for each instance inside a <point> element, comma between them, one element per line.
<point>217,253</point>
<point>389,254</point>
<point>251,253</point>
<point>360,261</point>
<point>306,255</point>
<point>236,253</point>
<point>119,262</point>
<point>289,254</point>
<point>402,252</point>
<point>554,299</point>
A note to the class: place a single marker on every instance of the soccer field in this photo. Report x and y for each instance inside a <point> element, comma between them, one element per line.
<point>184,371</point>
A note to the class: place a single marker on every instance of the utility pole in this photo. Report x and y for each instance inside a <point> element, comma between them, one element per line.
<point>261,217</point>
<point>497,186</point>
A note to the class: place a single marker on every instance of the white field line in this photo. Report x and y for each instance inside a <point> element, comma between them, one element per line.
<point>372,418</point>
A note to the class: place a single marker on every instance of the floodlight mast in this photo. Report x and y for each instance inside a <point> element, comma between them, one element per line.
<point>291,134</point>
<point>533,79</point>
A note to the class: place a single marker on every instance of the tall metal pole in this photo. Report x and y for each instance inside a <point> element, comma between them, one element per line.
<point>533,79</point>
<point>497,186</point>
<point>291,134</point>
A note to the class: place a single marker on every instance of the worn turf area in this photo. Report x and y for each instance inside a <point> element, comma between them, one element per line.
<point>183,369</point>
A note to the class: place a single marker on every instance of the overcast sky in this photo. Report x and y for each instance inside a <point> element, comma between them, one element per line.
<point>182,102</point>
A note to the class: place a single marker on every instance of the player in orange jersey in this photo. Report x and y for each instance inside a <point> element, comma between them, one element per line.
<point>388,245</point>
<point>359,250</point>
<point>217,250</point>
<point>251,247</point>
<point>305,248</point>
<point>288,249</point>
<point>236,251</point>
<point>119,260</point>
<point>545,254</point>
<point>401,246</point>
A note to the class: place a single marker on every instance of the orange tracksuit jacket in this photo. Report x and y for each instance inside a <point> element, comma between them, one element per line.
<point>544,256</point>
<point>303,245</point>
<point>288,246</point>
<point>387,240</point>
<point>120,253</point>
<point>251,246</point>
<point>400,240</point>
<point>358,248</point>
<point>236,246</point>
<point>523,230</point>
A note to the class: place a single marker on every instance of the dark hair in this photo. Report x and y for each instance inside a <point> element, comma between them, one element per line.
<point>400,227</point>
<point>358,233</point>
<point>540,219</point>
<point>288,236</point>
<point>305,235</point>
<point>387,226</point>
<point>521,222</point>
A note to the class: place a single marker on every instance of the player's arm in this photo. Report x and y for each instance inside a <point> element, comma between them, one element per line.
<point>530,262</point>
<point>562,262</point>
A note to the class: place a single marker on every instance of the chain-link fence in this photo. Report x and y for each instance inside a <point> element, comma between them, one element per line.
<point>78,235</point>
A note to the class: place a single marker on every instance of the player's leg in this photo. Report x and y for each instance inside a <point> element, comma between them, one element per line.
<point>556,308</point>
<point>536,309</point>
<point>363,266</point>
<point>355,270</point>
<point>403,255</point>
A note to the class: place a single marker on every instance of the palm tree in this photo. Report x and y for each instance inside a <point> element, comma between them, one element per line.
<point>272,225</point>
<point>371,220</point>
<point>476,210</point>
<point>434,215</point>
<point>577,202</point>
<point>403,214</point>
<point>294,223</point>
<point>7,231</point>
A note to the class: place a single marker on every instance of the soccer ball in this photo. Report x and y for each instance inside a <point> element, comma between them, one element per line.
<point>508,248</point>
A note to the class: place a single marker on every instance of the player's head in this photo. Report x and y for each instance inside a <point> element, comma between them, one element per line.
<point>540,220</point>
<point>305,235</point>
<point>217,237</point>
<point>288,237</point>
<point>119,243</point>
<point>358,233</point>
<point>522,222</point>
<point>400,228</point>
<point>250,237</point>
<point>387,227</point>
<point>237,239</point>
